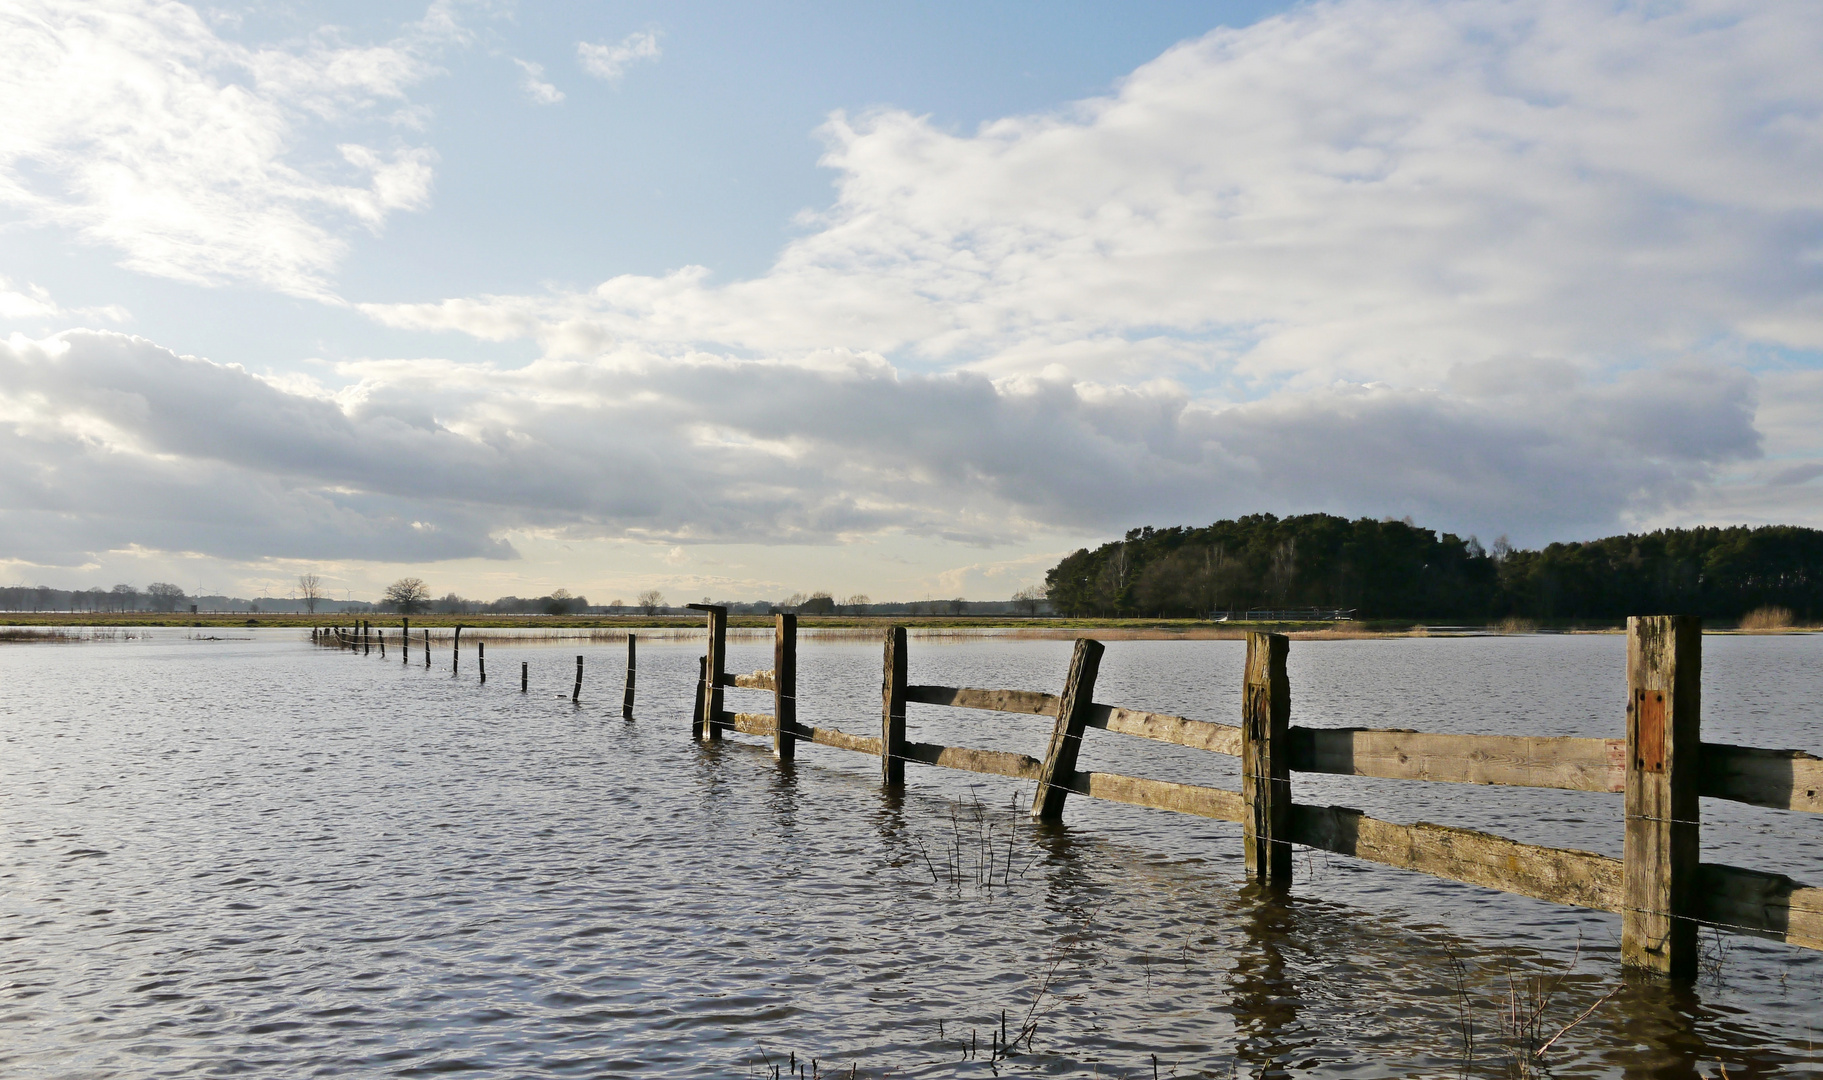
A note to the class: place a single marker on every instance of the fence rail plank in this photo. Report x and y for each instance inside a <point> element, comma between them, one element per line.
<point>992,762</point>
<point>1516,760</point>
<point>749,723</point>
<point>1563,876</point>
<point>841,740</point>
<point>1196,734</point>
<point>1771,905</point>
<point>967,697</point>
<point>1781,779</point>
<point>1218,803</point>
<point>757,680</point>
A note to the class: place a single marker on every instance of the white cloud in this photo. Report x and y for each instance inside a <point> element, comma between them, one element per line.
<point>33,303</point>
<point>133,123</point>
<point>1367,190</point>
<point>536,88</point>
<point>610,61</point>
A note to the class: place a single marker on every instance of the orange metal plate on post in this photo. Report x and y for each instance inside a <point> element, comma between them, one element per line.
<point>1649,730</point>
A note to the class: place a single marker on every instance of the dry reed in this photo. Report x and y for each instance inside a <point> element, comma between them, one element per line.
<point>1767,618</point>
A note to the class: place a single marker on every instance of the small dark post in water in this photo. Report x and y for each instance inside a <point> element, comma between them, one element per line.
<point>696,713</point>
<point>892,709</point>
<point>427,649</point>
<point>1266,759</point>
<point>405,640</point>
<point>576,691</point>
<point>714,720</point>
<point>525,675</point>
<point>1664,755</point>
<point>455,650</point>
<point>382,636</point>
<point>626,703</point>
<point>481,659</point>
<point>1058,774</point>
<point>785,686</point>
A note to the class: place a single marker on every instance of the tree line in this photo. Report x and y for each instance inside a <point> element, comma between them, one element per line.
<point>1390,569</point>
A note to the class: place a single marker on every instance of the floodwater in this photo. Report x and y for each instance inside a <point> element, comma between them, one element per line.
<point>255,857</point>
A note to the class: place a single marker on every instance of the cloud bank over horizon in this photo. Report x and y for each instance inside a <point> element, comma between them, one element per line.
<point>1546,269</point>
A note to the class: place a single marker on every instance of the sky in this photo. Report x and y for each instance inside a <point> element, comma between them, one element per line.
<point>904,300</point>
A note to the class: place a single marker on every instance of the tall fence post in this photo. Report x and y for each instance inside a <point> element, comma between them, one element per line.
<point>626,702</point>
<point>892,709</point>
<point>576,691</point>
<point>366,638</point>
<point>480,658</point>
<point>427,648</point>
<point>455,650</point>
<point>1266,758</point>
<point>785,687</point>
<point>525,675</point>
<point>696,714</point>
<point>1058,773</point>
<point>715,660</point>
<point>405,640</point>
<point>1664,754</point>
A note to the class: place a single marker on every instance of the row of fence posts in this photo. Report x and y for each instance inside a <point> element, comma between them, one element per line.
<point>362,637</point>
<point>1660,887</point>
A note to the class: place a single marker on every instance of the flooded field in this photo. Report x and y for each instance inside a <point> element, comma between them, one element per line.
<point>236,854</point>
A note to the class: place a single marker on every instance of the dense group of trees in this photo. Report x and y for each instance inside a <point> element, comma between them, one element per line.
<point>1395,569</point>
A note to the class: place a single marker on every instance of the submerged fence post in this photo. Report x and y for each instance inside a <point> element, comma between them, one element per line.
<point>715,660</point>
<point>1266,758</point>
<point>1664,753</point>
<point>576,691</point>
<point>455,650</point>
<point>525,675</point>
<point>426,648</point>
<point>481,659</point>
<point>784,687</point>
<point>405,640</point>
<point>626,702</point>
<point>892,709</point>
<point>1058,773</point>
<point>366,638</point>
<point>696,713</point>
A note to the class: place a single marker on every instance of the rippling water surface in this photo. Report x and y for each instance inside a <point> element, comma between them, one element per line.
<point>259,858</point>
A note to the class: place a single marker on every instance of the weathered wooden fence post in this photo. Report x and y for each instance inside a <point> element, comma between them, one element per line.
<point>626,702</point>
<point>1266,758</point>
<point>426,648</point>
<point>1058,773</point>
<point>382,636</point>
<point>892,709</point>
<point>576,691</point>
<point>366,638</point>
<point>702,693</point>
<point>785,686</point>
<point>405,640</point>
<point>1664,755</point>
<point>525,675</point>
<point>481,659</point>
<point>455,650</point>
<point>715,660</point>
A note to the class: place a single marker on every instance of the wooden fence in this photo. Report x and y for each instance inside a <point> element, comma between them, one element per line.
<point>1660,887</point>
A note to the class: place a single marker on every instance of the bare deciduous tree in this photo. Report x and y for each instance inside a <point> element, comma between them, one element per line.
<point>311,587</point>
<point>408,595</point>
<point>650,601</point>
<point>164,595</point>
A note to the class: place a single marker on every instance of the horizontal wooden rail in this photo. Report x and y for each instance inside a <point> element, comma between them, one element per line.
<point>1517,760</point>
<point>752,723</point>
<point>1771,905</point>
<point>758,680</point>
<point>1218,803</point>
<point>992,762</point>
<point>1781,779</point>
<point>765,725</point>
<point>1196,734</point>
<point>1563,876</point>
<point>963,697</point>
